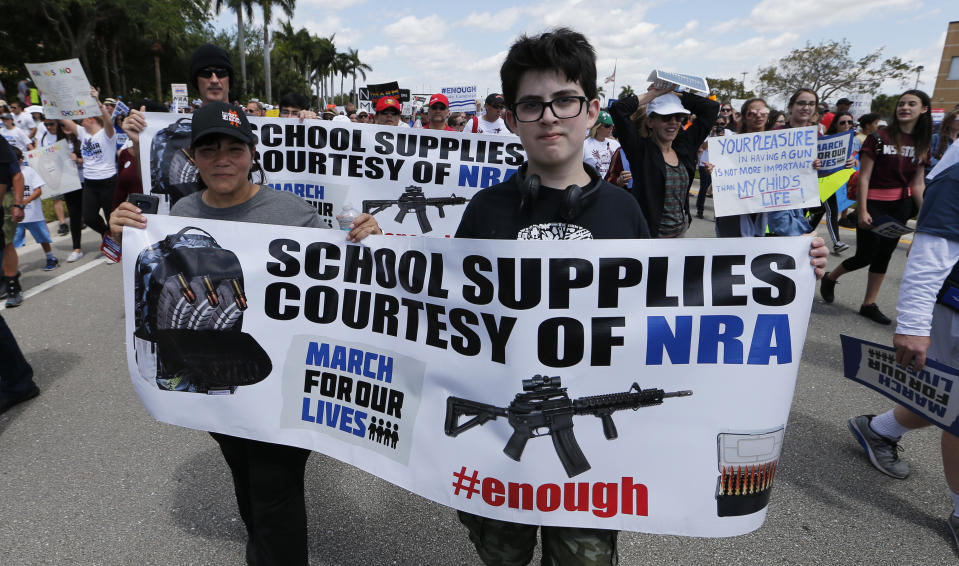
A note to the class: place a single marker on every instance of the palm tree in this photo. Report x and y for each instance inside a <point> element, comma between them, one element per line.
<point>627,91</point>
<point>238,6</point>
<point>288,6</point>
<point>343,67</point>
<point>324,54</point>
<point>356,66</point>
<point>600,93</point>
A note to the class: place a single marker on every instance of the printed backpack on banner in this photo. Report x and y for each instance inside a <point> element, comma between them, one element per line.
<point>172,171</point>
<point>189,317</point>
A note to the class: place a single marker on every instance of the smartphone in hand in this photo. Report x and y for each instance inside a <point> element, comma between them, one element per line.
<point>148,204</point>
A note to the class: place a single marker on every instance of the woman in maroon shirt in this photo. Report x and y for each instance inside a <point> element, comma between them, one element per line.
<point>891,179</point>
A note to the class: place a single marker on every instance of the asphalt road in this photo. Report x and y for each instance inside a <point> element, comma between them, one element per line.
<point>88,477</point>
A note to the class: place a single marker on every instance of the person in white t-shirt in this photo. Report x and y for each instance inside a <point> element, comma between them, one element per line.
<point>492,120</point>
<point>33,215</point>
<point>14,135</point>
<point>599,147</point>
<point>98,148</point>
<point>47,135</point>
<point>23,119</point>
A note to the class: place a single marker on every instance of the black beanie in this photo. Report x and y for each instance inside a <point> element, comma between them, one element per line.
<point>209,55</point>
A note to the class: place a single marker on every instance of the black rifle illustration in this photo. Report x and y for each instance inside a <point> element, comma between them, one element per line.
<point>413,200</point>
<point>544,408</point>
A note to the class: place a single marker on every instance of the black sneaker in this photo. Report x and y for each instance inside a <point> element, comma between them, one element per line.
<point>8,400</point>
<point>873,313</point>
<point>63,230</point>
<point>827,288</point>
<point>699,215</point>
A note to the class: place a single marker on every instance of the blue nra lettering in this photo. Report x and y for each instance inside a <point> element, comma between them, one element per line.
<point>351,360</point>
<point>771,338</point>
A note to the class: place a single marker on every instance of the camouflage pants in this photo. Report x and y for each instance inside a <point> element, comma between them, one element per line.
<point>501,543</point>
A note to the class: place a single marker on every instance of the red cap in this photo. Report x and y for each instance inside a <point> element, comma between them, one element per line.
<point>439,98</point>
<point>388,102</point>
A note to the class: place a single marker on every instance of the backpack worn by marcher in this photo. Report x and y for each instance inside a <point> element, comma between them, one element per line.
<point>172,172</point>
<point>189,317</point>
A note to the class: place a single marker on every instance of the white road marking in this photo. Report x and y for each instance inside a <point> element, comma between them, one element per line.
<point>34,291</point>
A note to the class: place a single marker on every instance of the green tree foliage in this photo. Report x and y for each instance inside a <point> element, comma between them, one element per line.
<point>626,91</point>
<point>827,68</point>
<point>727,89</point>
<point>884,105</point>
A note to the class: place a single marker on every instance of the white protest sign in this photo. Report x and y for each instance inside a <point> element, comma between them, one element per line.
<point>462,98</point>
<point>382,354</point>
<point>861,104</point>
<point>416,182</point>
<point>833,151</point>
<point>180,95</point>
<point>764,171</point>
<point>54,165</point>
<point>64,89</point>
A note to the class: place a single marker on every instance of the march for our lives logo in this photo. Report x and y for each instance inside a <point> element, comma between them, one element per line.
<point>91,150</point>
<point>359,394</point>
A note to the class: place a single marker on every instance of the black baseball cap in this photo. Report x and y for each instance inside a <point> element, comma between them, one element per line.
<point>221,118</point>
<point>844,101</point>
<point>496,100</point>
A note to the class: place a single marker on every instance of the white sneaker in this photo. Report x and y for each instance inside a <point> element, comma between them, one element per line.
<point>74,255</point>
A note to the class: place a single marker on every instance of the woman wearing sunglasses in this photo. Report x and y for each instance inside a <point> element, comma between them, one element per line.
<point>662,155</point>
<point>726,111</point>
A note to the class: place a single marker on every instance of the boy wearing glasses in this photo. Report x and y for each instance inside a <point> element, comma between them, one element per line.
<point>549,86</point>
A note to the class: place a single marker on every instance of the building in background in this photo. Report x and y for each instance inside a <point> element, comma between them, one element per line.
<point>946,93</point>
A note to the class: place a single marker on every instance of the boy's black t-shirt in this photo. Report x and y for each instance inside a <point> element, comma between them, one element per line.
<point>494,213</point>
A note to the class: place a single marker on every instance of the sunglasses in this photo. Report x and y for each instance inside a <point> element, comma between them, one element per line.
<point>846,123</point>
<point>438,106</point>
<point>726,110</point>
<point>756,113</point>
<point>678,117</point>
<point>220,72</point>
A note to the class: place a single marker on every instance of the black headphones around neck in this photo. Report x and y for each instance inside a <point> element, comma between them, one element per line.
<point>575,197</point>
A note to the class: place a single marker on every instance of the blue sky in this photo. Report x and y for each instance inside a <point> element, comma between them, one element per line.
<point>443,44</point>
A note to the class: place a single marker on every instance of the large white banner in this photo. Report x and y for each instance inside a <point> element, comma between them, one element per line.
<point>416,182</point>
<point>662,372</point>
<point>764,171</point>
<point>54,165</point>
<point>64,89</point>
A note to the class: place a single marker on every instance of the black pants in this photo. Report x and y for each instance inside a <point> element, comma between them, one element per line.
<point>74,201</point>
<point>268,480</point>
<point>829,209</point>
<point>97,196</point>
<point>16,375</point>
<point>872,249</point>
<point>705,180</point>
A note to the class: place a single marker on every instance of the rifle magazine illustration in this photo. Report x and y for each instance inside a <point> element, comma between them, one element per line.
<point>413,200</point>
<point>747,468</point>
<point>545,408</point>
<point>189,316</point>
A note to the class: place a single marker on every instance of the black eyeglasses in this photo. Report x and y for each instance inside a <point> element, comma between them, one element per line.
<point>805,103</point>
<point>220,72</point>
<point>562,107</point>
<point>288,112</point>
<point>726,110</point>
<point>846,123</point>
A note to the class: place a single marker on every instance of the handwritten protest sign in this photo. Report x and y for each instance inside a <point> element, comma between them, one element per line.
<point>833,151</point>
<point>64,89</point>
<point>764,171</point>
<point>861,104</point>
<point>927,393</point>
<point>462,98</point>
<point>381,354</point>
<point>415,181</point>
<point>54,165</point>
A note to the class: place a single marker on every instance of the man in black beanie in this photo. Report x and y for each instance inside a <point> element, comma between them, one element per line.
<point>211,72</point>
